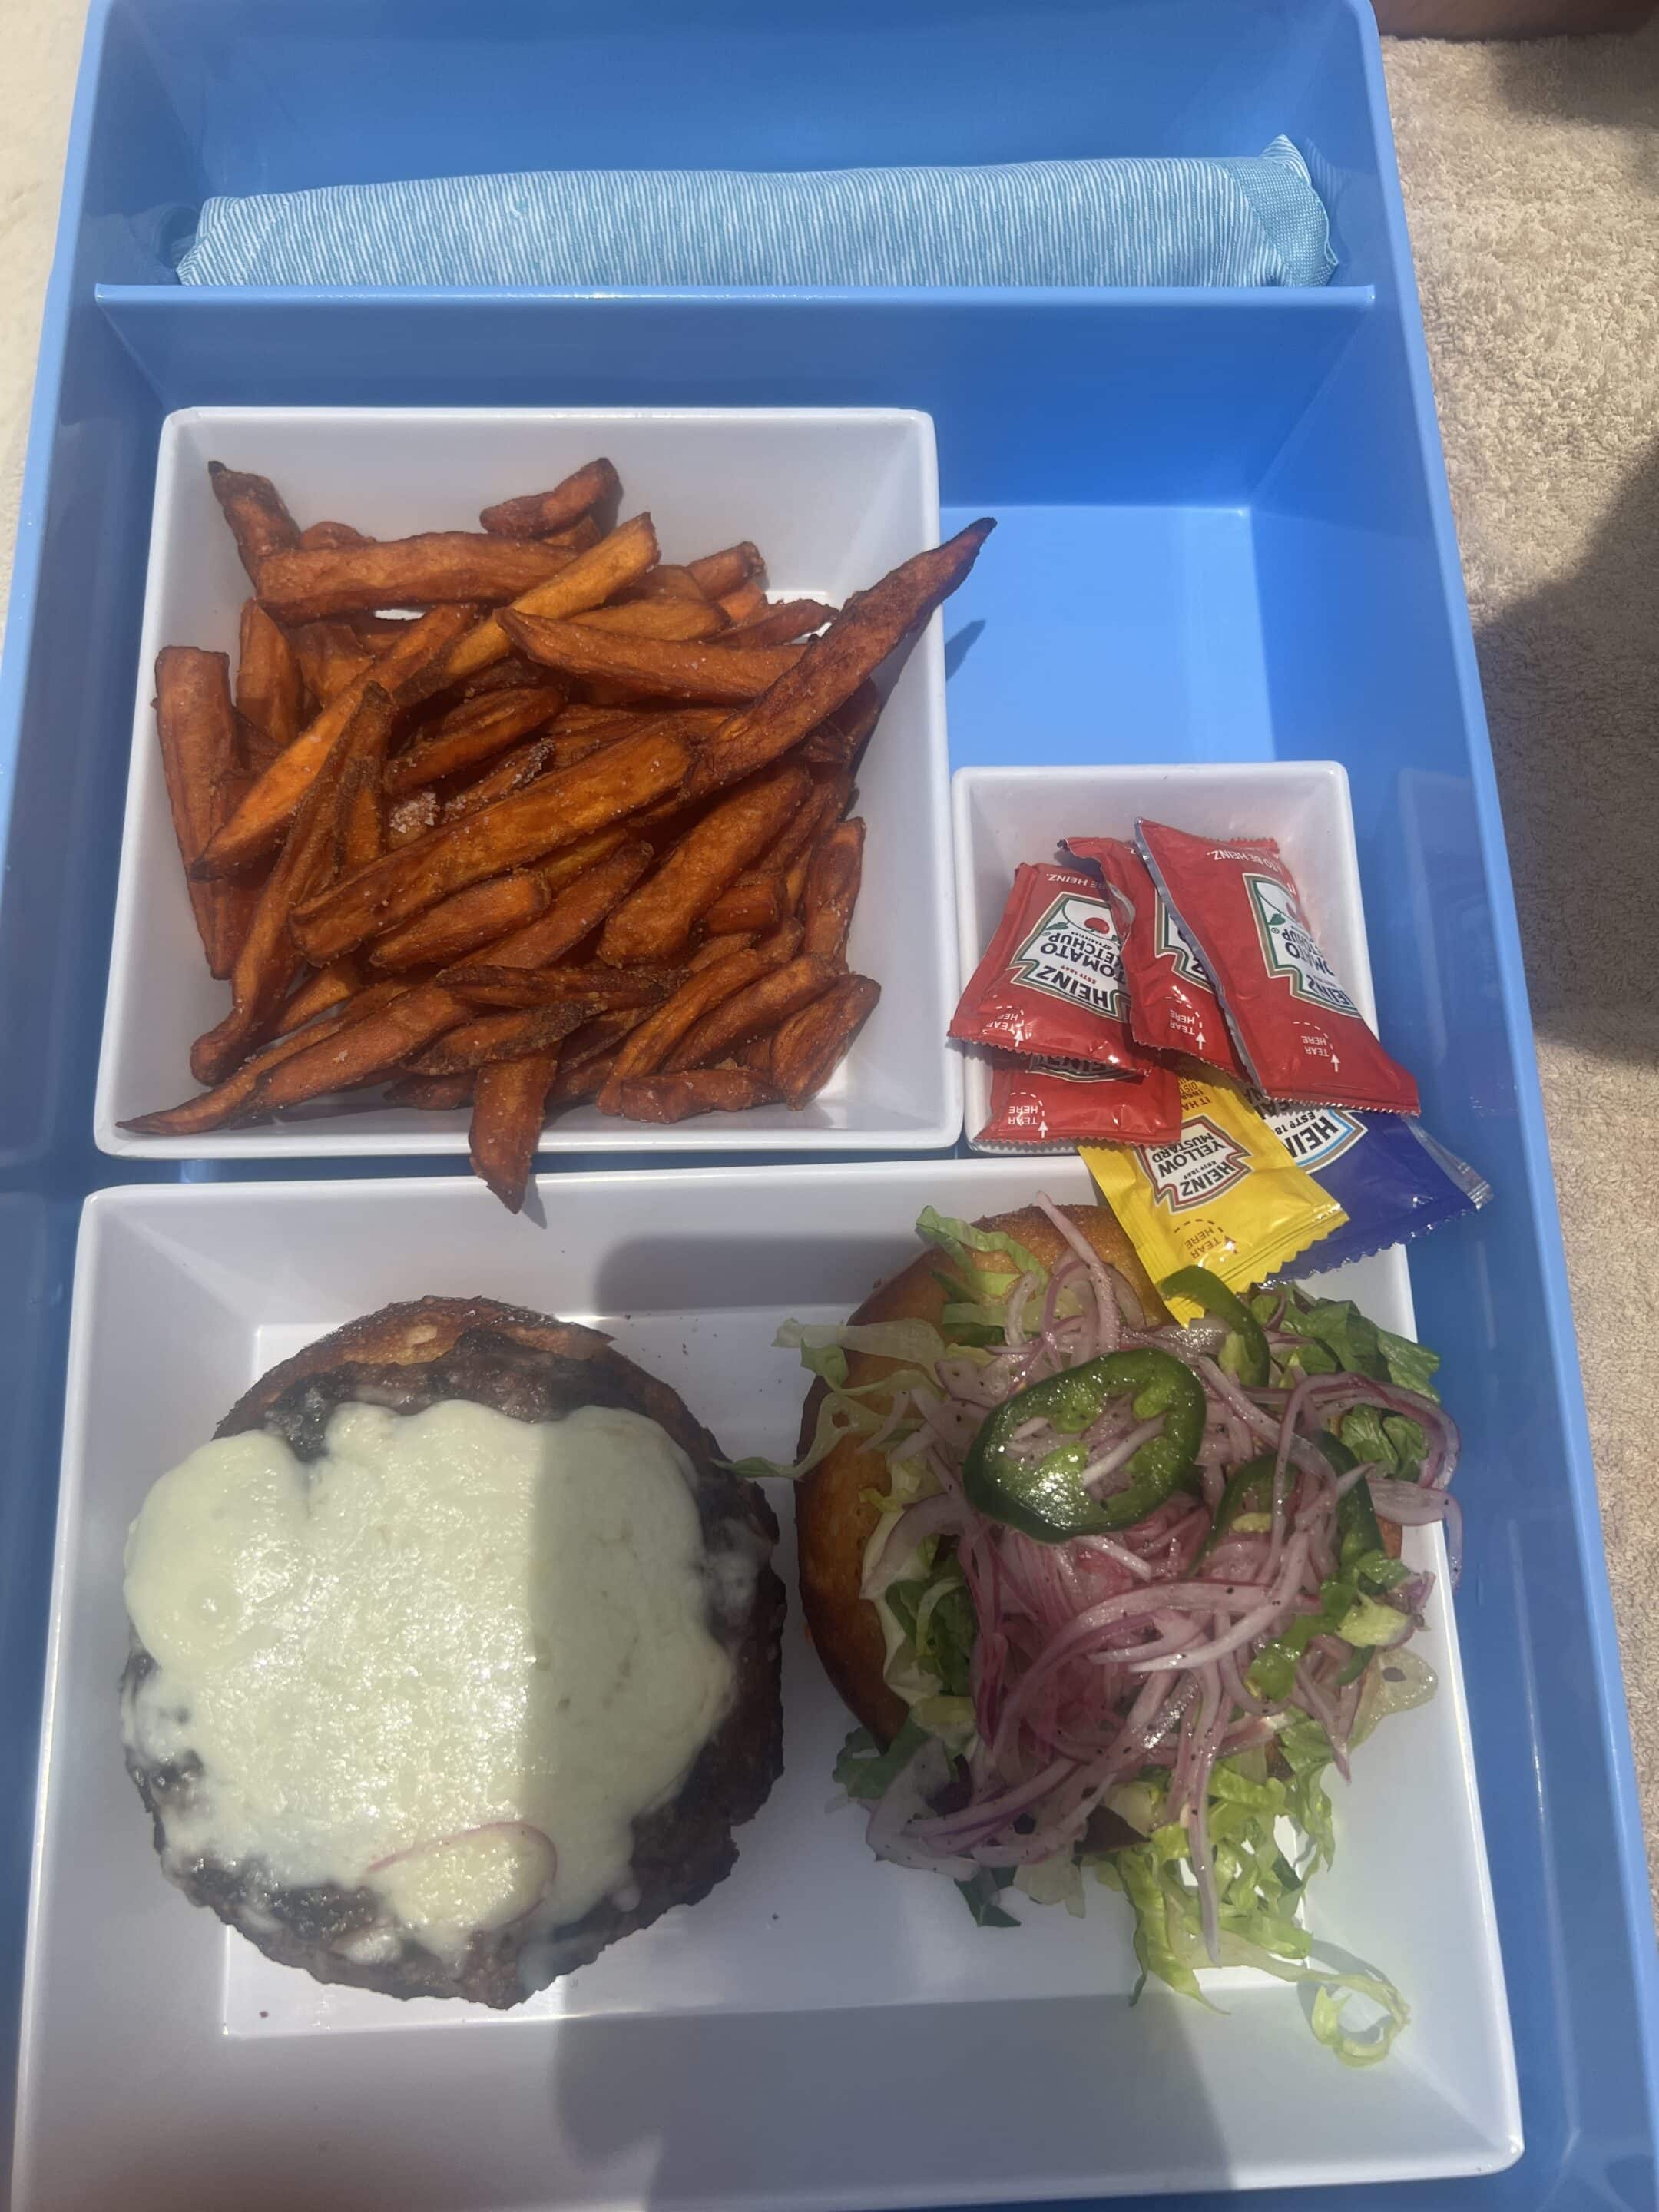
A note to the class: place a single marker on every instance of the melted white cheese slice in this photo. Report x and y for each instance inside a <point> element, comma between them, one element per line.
<point>452,1659</point>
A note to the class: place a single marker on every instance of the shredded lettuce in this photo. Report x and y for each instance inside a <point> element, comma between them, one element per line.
<point>851,1411</point>
<point>1410,1366</point>
<point>1335,1337</point>
<point>1392,1442</point>
<point>1056,1881</point>
<point>1257,1891</point>
<point>960,1239</point>
<point>980,1895</point>
<point>863,1770</point>
<point>1347,1608</point>
<point>937,1615</point>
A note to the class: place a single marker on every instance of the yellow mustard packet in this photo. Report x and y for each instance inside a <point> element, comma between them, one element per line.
<point>1225,1195</point>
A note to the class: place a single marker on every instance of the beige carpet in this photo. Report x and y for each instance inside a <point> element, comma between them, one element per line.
<point>1532,181</point>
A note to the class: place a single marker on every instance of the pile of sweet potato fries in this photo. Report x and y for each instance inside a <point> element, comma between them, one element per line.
<point>575,831</point>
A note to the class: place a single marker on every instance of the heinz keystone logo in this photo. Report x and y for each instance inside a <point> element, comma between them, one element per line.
<point>1074,954</point>
<point>1314,1136</point>
<point>1170,942</point>
<point>1203,1162</point>
<point>1290,948</point>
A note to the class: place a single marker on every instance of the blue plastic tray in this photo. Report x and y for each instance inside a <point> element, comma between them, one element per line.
<point>1224,534</point>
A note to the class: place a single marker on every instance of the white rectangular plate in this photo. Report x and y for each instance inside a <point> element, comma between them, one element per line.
<point>1005,816</point>
<point>832,496</point>
<point>821,2031</point>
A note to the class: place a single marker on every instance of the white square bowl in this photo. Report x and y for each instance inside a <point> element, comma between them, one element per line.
<point>1004,816</point>
<point>834,497</point>
<point>823,2031</point>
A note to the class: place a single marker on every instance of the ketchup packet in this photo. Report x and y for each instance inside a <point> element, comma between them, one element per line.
<point>1389,1175</point>
<point>1225,1195</point>
<point>1056,1104</point>
<point>1299,1035</point>
<point>1051,983</point>
<point>1172,1007</point>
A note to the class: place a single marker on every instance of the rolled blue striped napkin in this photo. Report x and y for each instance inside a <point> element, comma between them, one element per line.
<point>1235,222</point>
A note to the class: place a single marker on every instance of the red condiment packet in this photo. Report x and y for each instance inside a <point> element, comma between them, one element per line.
<point>1058,1104</point>
<point>1051,983</point>
<point>1299,1033</point>
<point>1172,1007</point>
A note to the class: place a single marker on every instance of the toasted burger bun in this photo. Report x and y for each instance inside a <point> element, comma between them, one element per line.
<point>834,1517</point>
<point>532,1369</point>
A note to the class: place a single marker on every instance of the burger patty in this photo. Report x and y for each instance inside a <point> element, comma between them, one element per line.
<point>407,1359</point>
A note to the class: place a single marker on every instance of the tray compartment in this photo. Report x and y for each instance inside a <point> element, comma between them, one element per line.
<point>1337,583</point>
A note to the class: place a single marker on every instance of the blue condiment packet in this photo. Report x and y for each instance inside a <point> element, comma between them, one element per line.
<point>1392,1179</point>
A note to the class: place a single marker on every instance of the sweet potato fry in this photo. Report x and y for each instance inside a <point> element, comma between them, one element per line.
<point>663,1098</point>
<point>589,1053</point>
<point>650,668</point>
<point>591,579</point>
<point>330,656</point>
<point>331,536</point>
<point>743,604</point>
<point>361,825</point>
<point>229,1101</point>
<point>831,667</point>
<point>320,994</point>
<point>361,817</point>
<point>579,715</point>
<point>427,570</point>
<point>667,580</point>
<point>508,1101</point>
<point>832,890</point>
<point>577,539</point>
<point>781,943</point>
<point>461,924</point>
<point>522,765</point>
<point>269,687</point>
<point>703,989</point>
<point>795,881</point>
<point>717,573</point>
<point>559,870</point>
<point>656,920</point>
<point>567,747</point>
<point>475,731</point>
<point>571,742</point>
<point>412,817</point>
<point>779,625</point>
<point>681,620</point>
<point>554,811</point>
<point>766,1002</point>
<point>753,902</point>
<point>511,672</point>
<point>196,726</point>
<point>362,1051</point>
<point>253,508</point>
<point>432,1094</point>
<point>828,802</point>
<point>259,821</point>
<point>268,959</point>
<point>577,910</point>
<point>233,900</point>
<point>601,989</point>
<point>839,739</point>
<point>478,1041</point>
<point>808,1048</point>
<point>538,513</point>
<point>721,948</point>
